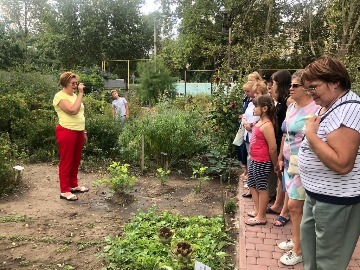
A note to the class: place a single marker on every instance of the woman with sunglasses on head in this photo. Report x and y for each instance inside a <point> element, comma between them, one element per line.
<point>296,115</point>
<point>329,164</point>
<point>70,134</point>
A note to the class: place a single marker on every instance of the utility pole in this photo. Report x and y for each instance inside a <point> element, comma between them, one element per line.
<point>229,50</point>
<point>155,43</point>
<point>155,40</point>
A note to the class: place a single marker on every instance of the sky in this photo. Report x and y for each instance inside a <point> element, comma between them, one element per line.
<point>150,6</point>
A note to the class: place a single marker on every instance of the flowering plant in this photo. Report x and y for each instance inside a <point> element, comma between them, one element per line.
<point>226,107</point>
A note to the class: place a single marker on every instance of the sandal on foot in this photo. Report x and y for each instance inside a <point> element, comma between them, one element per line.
<point>254,221</point>
<point>283,221</point>
<point>251,214</point>
<point>270,211</point>
<point>79,190</point>
<point>247,195</point>
<point>71,197</point>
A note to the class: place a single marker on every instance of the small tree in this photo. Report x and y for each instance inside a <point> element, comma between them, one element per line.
<point>155,81</point>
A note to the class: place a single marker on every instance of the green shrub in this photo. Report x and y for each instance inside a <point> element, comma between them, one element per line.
<point>7,161</point>
<point>230,207</point>
<point>103,135</point>
<point>169,130</point>
<point>35,134</point>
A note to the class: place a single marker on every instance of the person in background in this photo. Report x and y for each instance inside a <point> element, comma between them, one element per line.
<point>248,120</point>
<point>297,114</point>
<point>259,88</point>
<point>252,78</point>
<point>70,134</point>
<point>281,81</point>
<point>120,107</point>
<point>329,164</point>
<point>263,157</point>
<point>242,153</point>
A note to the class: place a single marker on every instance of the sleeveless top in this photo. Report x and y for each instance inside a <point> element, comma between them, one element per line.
<point>259,149</point>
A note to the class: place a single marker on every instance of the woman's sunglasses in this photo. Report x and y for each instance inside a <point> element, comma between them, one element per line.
<point>295,85</point>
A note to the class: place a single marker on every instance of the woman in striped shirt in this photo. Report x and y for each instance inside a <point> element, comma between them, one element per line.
<point>329,164</point>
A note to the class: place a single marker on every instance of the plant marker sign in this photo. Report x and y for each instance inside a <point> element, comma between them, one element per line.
<point>201,266</point>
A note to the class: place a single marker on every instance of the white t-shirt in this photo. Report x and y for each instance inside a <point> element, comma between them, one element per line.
<point>119,106</point>
<point>250,118</point>
<point>315,176</point>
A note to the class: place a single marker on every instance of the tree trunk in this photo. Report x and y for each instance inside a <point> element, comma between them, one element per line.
<point>310,28</point>
<point>267,26</point>
<point>348,35</point>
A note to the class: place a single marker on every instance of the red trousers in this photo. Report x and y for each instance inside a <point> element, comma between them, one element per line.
<point>70,147</point>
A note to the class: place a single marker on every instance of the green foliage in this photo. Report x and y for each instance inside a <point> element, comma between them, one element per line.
<point>224,113</point>
<point>199,175</point>
<point>220,163</point>
<point>168,130</point>
<point>230,207</point>
<point>7,161</point>
<point>92,81</point>
<point>120,181</point>
<point>103,135</point>
<point>155,80</point>
<point>206,236</point>
<point>26,113</point>
<point>162,175</point>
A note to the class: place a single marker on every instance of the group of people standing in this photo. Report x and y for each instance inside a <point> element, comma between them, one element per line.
<point>303,136</point>
<point>311,116</point>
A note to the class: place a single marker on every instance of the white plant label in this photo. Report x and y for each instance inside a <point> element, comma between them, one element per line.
<point>201,266</point>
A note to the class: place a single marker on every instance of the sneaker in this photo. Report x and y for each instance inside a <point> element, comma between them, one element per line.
<point>290,258</point>
<point>288,244</point>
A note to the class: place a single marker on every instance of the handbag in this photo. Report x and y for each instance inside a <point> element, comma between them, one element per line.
<point>239,138</point>
<point>293,165</point>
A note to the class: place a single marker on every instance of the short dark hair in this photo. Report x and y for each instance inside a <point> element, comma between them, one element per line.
<point>327,69</point>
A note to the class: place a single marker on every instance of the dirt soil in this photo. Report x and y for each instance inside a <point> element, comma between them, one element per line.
<point>58,234</point>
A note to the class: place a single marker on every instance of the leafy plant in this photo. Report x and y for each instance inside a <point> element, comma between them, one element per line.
<point>163,175</point>
<point>165,234</point>
<point>7,161</point>
<point>120,181</point>
<point>230,207</point>
<point>205,235</point>
<point>220,163</point>
<point>199,175</point>
<point>226,108</point>
<point>168,130</point>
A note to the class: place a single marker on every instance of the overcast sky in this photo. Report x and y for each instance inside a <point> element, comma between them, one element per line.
<point>149,6</point>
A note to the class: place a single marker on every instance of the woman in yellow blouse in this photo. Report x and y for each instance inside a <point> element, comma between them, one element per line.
<point>70,134</point>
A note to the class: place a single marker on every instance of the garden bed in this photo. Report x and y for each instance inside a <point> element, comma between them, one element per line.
<point>40,231</point>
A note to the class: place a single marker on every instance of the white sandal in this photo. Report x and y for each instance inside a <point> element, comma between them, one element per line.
<point>71,197</point>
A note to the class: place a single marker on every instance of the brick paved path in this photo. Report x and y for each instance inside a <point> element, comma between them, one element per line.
<point>257,245</point>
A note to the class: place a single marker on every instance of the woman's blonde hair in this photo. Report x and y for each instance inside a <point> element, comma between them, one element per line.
<point>260,86</point>
<point>66,77</point>
<point>249,84</point>
<point>254,76</point>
